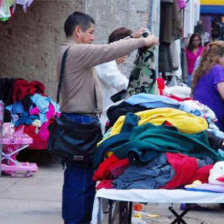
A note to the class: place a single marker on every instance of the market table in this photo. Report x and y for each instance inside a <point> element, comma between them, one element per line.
<point>152,196</point>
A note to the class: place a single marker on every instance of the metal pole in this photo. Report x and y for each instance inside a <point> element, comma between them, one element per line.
<point>154,26</point>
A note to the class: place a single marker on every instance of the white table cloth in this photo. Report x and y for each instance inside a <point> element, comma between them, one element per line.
<point>154,196</point>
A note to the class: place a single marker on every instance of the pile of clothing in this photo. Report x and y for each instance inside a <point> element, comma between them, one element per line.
<point>27,104</point>
<point>154,141</point>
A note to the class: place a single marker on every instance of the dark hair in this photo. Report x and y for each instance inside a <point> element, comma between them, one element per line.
<point>190,44</point>
<point>77,19</point>
<point>118,34</point>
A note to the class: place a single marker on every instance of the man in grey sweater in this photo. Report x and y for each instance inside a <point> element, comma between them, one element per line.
<point>82,102</point>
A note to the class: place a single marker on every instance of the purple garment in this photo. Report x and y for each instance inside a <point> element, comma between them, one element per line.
<point>181,4</point>
<point>207,93</point>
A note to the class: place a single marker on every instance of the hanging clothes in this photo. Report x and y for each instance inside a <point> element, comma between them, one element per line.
<point>165,58</point>
<point>170,30</point>
<point>143,76</point>
<point>181,4</point>
<point>24,3</point>
<point>4,10</point>
<point>184,62</point>
<point>170,23</point>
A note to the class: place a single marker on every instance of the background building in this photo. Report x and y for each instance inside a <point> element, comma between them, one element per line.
<point>212,12</point>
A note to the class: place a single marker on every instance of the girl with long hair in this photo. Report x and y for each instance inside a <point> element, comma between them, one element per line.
<point>208,80</point>
<point>193,51</point>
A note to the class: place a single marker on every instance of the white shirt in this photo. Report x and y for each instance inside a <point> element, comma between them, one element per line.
<point>111,82</point>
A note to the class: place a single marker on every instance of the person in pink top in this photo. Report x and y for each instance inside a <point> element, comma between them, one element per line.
<point>193,51</point>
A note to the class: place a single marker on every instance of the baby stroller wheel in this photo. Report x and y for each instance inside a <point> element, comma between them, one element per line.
<point>28,174</point>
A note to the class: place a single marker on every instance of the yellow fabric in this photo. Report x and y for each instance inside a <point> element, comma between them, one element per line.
<point>184,122</point>
<point>109,154</point>
<point>212,2</point>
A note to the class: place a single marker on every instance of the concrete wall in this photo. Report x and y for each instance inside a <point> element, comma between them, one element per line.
<point>29,41</point>
<point>111,14</point>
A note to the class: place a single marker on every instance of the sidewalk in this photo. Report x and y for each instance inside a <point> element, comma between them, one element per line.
<point>35,200</point>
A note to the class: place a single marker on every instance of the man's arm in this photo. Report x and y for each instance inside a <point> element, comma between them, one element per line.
<point>89,55</point>
<point>218,72</point>
<point>220,87</point>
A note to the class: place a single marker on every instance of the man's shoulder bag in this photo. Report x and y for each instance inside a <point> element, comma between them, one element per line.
<point>71,140</point>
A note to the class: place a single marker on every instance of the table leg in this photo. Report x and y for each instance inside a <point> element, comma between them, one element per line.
<point>179,218</point>
<point>110,221</point>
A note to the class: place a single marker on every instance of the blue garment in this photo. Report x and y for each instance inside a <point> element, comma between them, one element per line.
<point>26,119</point>
<point>152,175</point>
<point>18,108</point>
<point>152,101</point>
<point>42,103</point>
<point>9,108</point>
<point>78,188</point>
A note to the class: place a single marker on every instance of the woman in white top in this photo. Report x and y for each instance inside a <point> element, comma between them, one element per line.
<point>111,78</point>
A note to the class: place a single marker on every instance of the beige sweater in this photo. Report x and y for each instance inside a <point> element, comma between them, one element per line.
<point>80,91</point>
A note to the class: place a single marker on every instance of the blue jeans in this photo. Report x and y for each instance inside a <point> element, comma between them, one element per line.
<point>79,188</point>
<point>78,194</point>
<point>80,118</point>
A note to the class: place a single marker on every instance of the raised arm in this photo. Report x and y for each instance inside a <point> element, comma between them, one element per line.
<point>220,87</point>
<point>89,55</point>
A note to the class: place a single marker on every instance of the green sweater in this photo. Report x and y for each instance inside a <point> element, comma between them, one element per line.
<point>147,140</point>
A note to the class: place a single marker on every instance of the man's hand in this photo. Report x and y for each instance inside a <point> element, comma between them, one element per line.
<point>151,40</point>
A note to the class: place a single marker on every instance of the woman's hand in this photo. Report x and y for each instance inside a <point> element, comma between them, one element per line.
<point>138,33</point>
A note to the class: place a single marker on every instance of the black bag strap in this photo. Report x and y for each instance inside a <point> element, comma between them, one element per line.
<point>61,73</point>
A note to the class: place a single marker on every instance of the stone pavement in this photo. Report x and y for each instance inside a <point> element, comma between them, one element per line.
<point>37,200</point>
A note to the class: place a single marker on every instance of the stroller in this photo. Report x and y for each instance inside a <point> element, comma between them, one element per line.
<point>12,142</point>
